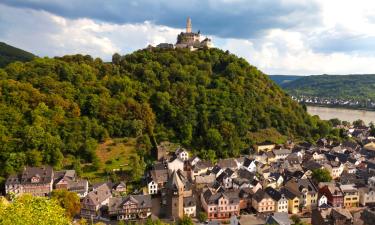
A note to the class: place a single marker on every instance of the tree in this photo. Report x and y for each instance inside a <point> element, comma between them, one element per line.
<point>321,175</point>
<point>28,210</point>
<point>116,59</point>
<point>202,217</point>
<point>185,221</point>
<point>68,200</point>
<point>138,167</point>
<point>358,123</point>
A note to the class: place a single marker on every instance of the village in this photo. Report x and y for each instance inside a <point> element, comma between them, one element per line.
<point>274,184</point>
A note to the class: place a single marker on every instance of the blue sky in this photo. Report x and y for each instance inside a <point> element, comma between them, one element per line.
<point>278,36</point>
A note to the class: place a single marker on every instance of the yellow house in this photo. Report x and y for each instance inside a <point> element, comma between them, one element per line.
<point>264,147</point>
<point>305,190</point>
<point>351,195</point>
<point>293,201</point>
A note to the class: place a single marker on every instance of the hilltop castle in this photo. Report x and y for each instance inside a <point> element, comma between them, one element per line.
<point>188,39</point>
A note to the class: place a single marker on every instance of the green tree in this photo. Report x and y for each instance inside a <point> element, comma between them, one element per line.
<point>185,221</point>
<point>68,200</point>
<point>138,167</point>
<point>321,175</point>
<point>28,210</point>
<point>202,217</point>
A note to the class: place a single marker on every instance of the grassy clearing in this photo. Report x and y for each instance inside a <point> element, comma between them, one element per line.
<point>113,155</point>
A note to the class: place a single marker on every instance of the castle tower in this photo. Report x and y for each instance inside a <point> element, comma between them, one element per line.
<point>175,192</point>
<point>188,25</point>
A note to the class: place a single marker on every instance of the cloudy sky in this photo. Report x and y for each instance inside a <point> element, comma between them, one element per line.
<point>278,36</point>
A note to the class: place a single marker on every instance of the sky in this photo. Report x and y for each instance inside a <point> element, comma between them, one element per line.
<point>292,37</point>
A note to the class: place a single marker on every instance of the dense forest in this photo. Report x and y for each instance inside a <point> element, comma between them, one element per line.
<point>205,100</point>
<point>9,54</point>
<point>283,80</point>
<point>356,87</point>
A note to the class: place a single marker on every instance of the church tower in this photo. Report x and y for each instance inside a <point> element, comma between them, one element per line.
<point>175,192</point>
<point>188,25</point>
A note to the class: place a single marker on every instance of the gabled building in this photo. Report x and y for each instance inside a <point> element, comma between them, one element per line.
<point>182,154</point>
<point>366,196</point>
<point>334,195</point>
<point>306,190</point>
<point>68,180</point>
<point>351,195</point>
<point>37,181</point>
<point>219,205</point>
<point>279,198</point>
<point>95,200</point>
<point>262,202</point>
<point>293,201</point>
<point>131,207</point>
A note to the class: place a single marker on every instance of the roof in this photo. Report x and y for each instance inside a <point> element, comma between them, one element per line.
<point>44,174</point>
<point>282,151</point>
<point>288,194</point>
<point>273,193</point>
<point>227,163</point>
<point>142,202</point>
<point>212,198</point>
<point>189,201</point>
<point>175,182</point>
<point>260,195</point>
<point>98,195</point>
<point>280,218</point>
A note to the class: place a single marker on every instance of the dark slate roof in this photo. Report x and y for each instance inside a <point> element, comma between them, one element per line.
<point>247,162</point>
<point>259,195</point>
<point>243,173</point>
<point>227,163</point>
<point>288,194</point>
<point>189,201</point>
<point>273,193</point>
<point>216,169</point>
<point>142,201</point>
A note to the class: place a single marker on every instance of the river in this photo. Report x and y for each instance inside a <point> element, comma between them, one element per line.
<point>350,115</point>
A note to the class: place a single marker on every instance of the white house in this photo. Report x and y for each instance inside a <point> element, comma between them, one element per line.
<point>152,187</point>
<point>182,154</point>
<point>322,200</point>
<point>190,206</point>
<point>250,165</point>
<point>366,195</point>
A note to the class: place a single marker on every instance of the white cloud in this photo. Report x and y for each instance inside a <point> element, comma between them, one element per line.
<point>296,50</point>
<point>46,34</point>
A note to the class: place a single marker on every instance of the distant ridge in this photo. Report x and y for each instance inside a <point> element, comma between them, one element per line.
<point>357,86</point>
<point>9,54</point>
<point>282,80</point>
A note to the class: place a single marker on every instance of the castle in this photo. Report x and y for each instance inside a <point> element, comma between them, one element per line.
<point>188,39</point>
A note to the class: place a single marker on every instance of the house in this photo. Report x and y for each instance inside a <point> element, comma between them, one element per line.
<point>67,180</point>
<point>157,178</point>
<point>306,190</point>
<point>293,201</point>
<point>217,170</point>
<point>175,164</point>
<point>201,167</point>
<point>281,154</point>
<point>331,216</point>
<point>182,154</point>
<point>275,180</point>
<point>219,205</point>
<point>264,146</point>
<point>228,163</point>
<point>190,207</point>
<point>37,181</point>
<point>334,195</point>
<point>250,165</point>
<point>92,204</point>
<point>130,207</point>
<point>351,195</point>
<point>119,188</point>
<point>279,198</point>
<point>152,186</point>
<point>262,202</point>
<point>278,218</point>
<point>366,195</point>
<point>322,200</point>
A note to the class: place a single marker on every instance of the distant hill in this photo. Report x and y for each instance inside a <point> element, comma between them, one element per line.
<point>359,87</point>
<point>283,80</point>
<point>9,54</point>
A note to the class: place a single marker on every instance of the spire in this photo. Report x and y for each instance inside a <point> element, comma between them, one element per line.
<point>188,25</point>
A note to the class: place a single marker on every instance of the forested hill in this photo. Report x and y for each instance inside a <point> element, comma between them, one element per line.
<point>283,80</point>
<point>9,54</point>
<point>359,87</point>
<point>206,100</point>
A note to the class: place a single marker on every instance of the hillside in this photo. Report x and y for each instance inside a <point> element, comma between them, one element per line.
<point>283,80</point>
<point>9,54</point>
<point>357,87</point>
<point>58,108</point>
